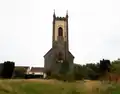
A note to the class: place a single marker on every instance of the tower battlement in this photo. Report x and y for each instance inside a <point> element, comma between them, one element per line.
<point>61,18</point>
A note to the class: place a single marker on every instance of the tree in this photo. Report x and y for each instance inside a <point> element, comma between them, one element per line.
<point>92,75</point>
<point>105,66</point>
<point>115,67</point>
<point>80,72</point>
<point>93,71</point>
<point>1,69</point>
<point>8,68</point>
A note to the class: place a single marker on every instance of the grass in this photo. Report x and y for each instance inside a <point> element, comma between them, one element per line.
<point>56,87</point>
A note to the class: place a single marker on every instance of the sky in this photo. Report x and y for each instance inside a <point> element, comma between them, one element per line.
<point>26,30</point>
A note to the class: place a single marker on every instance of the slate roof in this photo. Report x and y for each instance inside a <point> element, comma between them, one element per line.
<point>48,52</point>
<point>53,49</point>
<point>37,69</point>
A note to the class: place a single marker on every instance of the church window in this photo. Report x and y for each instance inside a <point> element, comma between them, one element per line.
<point>60,31</point>
<point>60,55</point>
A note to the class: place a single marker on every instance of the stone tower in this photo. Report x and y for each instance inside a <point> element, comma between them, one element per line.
<point>60,47</point>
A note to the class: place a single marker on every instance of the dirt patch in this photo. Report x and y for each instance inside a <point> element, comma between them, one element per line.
<point>92,86</point>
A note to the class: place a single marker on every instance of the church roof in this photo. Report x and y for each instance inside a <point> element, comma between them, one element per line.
<point>71,54</point>
<point>48,52</point>
<point>52,49</point>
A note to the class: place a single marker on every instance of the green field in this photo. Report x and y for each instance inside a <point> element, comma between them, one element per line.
<point>37,86</point>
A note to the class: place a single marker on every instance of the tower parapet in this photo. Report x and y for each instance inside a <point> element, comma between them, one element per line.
<point>60,18</point>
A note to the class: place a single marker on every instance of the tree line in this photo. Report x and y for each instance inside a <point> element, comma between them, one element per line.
<point>97,71</point>
<point>91,71</point>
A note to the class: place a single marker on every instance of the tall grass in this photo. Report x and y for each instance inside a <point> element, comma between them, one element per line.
<point>56,87</point>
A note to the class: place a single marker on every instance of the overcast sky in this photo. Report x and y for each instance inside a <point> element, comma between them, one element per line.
<point>26,29</point>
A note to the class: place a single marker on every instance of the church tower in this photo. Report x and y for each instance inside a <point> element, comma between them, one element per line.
<point>60,46</point>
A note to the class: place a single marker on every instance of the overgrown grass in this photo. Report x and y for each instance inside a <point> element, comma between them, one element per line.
<point>56,87</point>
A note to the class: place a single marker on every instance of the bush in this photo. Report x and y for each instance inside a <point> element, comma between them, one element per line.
<point>19,72</point>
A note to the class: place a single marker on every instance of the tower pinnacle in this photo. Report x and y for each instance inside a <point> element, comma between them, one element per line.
<point>54,13</point>
<point>67,14</point>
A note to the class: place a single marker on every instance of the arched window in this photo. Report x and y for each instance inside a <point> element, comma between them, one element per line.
<point>60,31</point>
<point>60,56</point>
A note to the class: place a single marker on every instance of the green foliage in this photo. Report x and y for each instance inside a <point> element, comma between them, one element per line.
<point>63,74</point>
<point>93,71</point>
<point>92,74</point>
<point>88,71</point>
<point>64,67</point>
<point>79,72</point>
<point>19,72</point>
<point>115,67</point>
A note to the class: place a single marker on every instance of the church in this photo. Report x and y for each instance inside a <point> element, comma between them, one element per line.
<point>59,51</point>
